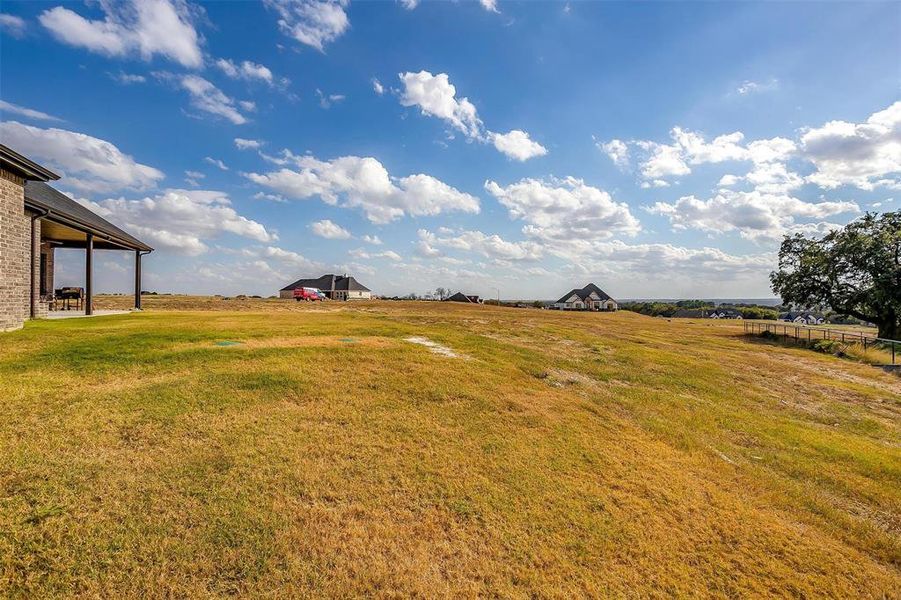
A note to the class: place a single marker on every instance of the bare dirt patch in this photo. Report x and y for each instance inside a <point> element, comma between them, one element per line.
<point>435,347</point>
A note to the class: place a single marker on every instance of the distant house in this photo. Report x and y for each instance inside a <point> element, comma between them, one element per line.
<point>803,318</point>
<point>590,297</point>
<point>724,313</point>
<point>335,287</point>
<point>465,298</point>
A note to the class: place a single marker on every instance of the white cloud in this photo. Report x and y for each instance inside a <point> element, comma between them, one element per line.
<point>326,100</point>
<point>517,145</point>
<point>372,239</point>
<point>698,151</point>
<point>617,151</point>
<point>489,246</point>
<point>364,183</point>
<point>216,163</point>
<point>435,96</point>
<point>409,4</point>
<point>207,97</point>
<point>654,183</point>
<point>12,25</point>
<point>363,254</point>
<point>245,144</point>
<point>756,87</point>
<point>857,154</point>
<point>311,22</point>
<point>489,5</point>
<point>377,86</point>
<point>85,162</point>
<point>246,70</point>
<point>181,220</point>
<point>329,230</point>
<point>664,161</point>
<point>193,178</point>
<point>755,215</point>
<point>565,209</point>
<point>26,112</point>
<point>143,27</point>
<point>127,78</point>
<point>272,197</point>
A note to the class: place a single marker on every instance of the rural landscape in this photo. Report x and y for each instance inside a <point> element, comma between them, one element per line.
<point>265,448</point>
<point>450,299</point>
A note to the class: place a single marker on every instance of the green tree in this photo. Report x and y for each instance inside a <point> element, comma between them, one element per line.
<point>855,271</point>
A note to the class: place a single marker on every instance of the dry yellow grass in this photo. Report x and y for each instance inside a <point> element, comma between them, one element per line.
<point>566,455</point>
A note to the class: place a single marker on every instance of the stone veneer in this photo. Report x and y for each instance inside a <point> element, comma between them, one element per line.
<point>15,252</point>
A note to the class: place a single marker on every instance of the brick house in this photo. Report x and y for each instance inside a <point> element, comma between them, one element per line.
<point>335,287</point>
<point>590,297</point>
<point>35,219</point>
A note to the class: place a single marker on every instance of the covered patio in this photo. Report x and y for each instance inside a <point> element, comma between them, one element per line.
<point>60,222</point>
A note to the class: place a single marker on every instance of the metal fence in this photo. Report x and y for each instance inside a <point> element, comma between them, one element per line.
<point>811,334</point>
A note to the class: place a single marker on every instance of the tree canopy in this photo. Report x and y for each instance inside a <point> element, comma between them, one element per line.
<point>855,271</point>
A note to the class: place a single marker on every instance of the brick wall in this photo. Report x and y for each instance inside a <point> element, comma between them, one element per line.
<point>15,241</point>
<point>40,308</point>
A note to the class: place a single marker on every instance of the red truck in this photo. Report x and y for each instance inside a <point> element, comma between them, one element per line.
<point>308,294</point>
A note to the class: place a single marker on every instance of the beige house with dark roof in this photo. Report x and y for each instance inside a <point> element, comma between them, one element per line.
<point>35,219</point>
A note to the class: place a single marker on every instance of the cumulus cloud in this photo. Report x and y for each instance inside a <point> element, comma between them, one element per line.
<point>85,162</point>
<point>364,183</point>
<point>311,22</point>
<point>142,27</point>
<point>372,239</point>
<point>181,220</point>
<point>489,246</point>
<point>864,155</point>
<point>12,25</point>
<point>616,257</point>
<point>617,151</point>
<point>755,215</point>
<point>660,162</point>
<point>517,145</point>
<point>245,144</point>
<point>329,230</point>
<point>246,70</point>
<point>377,86</point>
<point>26,112</point>
<point>565,209</point>
<point>436,96</point>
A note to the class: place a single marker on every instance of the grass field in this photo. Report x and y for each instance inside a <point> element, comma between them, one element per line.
<point>323,454</point>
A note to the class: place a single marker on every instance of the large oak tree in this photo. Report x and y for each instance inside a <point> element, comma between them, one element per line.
<point>855,271</point>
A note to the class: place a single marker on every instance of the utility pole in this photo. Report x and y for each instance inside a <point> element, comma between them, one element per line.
<point>498,296</point>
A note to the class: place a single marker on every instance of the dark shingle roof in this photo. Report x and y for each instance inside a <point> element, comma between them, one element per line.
<point>23,166</point>
<point>459,297</point>
<point>329,282</point>
<point>41,195</point>
<point>584,293</point>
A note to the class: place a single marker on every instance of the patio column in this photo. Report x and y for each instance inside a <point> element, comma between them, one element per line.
<point>138,279</point>
<point>89,275</point>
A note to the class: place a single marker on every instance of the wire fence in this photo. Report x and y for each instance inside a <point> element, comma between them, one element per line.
<point>812,334</point>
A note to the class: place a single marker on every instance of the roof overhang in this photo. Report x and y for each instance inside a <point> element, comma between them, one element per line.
<point>24,167</point>
<point>102,239</point>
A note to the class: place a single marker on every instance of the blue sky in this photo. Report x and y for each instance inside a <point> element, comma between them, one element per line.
<point>656,149</point>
